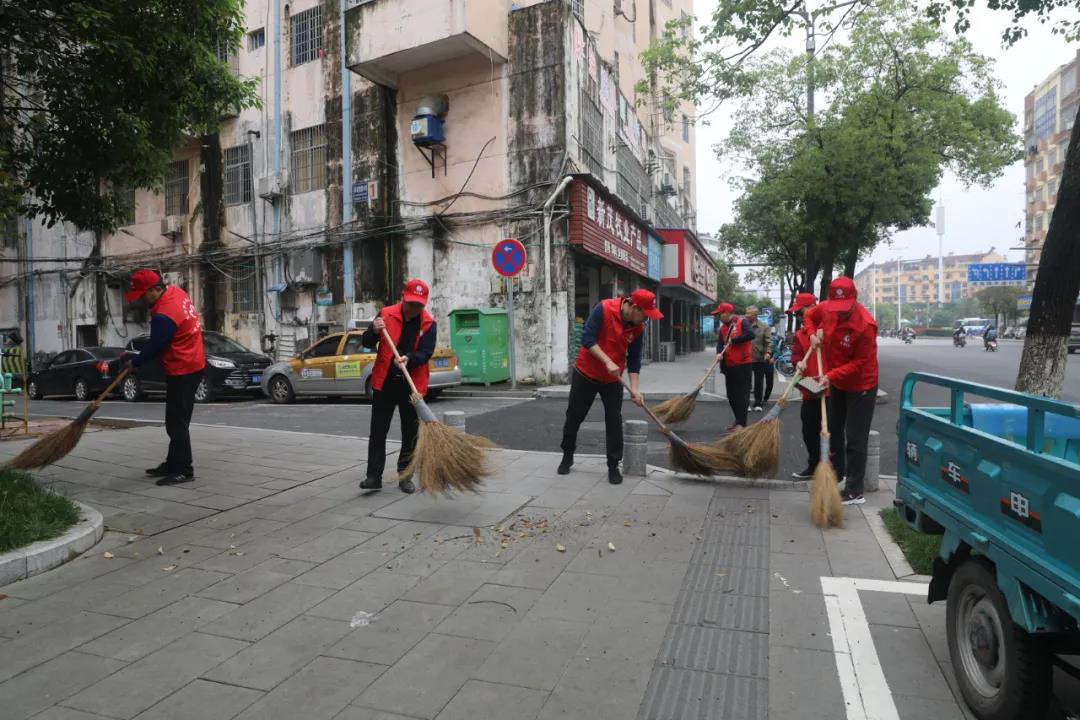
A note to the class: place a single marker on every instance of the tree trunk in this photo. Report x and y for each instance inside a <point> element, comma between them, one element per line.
<point>850,260</point>
<point>1042,364</point>
<point>826,274</point>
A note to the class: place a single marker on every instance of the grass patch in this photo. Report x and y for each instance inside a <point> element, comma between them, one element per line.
<point>919,549</point>
<point>29,512</point>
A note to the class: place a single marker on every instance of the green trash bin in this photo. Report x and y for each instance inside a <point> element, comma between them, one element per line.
<point>478,336</point>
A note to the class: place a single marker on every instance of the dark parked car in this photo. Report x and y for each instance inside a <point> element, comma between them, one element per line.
<point>231,369</point>
<point>83,372</point>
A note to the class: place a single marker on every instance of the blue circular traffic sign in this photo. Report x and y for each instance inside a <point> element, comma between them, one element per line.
<point>508,257</point>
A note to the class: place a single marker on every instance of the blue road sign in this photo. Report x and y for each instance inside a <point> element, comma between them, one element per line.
<point>360,191</point>
<point>508,257</point>
<point>997,272</point>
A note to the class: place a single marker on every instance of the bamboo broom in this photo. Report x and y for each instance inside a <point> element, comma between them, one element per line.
<point>59,443</point>
<point>679,409</point>
<point>444,459</point>
<point>758,446</point>
<point>826,507</point>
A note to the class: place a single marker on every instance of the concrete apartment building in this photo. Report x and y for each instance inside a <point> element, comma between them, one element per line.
<point>1049,114</point>
<point>464,122</point>
<point>918,279</point>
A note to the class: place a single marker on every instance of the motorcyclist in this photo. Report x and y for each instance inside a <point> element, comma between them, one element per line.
<point>958,335</point>
<point>990,336</point>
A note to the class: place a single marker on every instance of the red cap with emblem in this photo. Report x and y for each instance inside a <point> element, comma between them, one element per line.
<point>842,294</point>
<point>141,281</point>
<point>647,302</point>
<point>803,301</point>
<point>415,291</point>
<point>723,308</point>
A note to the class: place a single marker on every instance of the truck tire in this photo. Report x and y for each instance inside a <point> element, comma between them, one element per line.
<point>1004,673</point>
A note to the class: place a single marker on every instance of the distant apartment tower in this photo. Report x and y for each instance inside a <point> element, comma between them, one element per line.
<point>1049,113</point>
<point>918,279</point>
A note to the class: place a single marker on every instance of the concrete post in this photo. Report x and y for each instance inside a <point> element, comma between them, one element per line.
<point>454,419</point>
<point>635,437</point>
<point>710,382</point>
<point>873,461</point>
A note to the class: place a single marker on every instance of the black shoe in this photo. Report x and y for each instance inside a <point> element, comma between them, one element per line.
<point>567,462</point>
<point>159,471</point>
<point>852,498</point>
<point>176,478</point>
<point>407,486</point>
<point>804,474</point>
<point>371,483</point>
<point>614,476</point>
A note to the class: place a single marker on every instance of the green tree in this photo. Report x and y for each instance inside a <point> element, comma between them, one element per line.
<point>727,280</point>
<point>97,95</point>
<point>1000,300</point>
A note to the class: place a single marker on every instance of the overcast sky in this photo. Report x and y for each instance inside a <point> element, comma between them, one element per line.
<point>976,218</point>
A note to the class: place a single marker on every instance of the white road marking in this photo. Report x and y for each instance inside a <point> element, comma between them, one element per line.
<point>862,679</point>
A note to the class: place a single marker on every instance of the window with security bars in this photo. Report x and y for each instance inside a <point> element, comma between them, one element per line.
<point>307,171</point>
<point>307,36</point>
<point>243,288</point>
<point>631,182</point>
<point>176,188</point>
<point>127,202</point>
<point>256,39</point>
<point>230,57</point>
<point>578,6</point>
<point>9,231</point>
<point>686,182</point>
<point>592,136</point>
<point>238,175</point>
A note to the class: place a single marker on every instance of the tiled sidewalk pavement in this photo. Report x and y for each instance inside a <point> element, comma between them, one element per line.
<point>240,595</point>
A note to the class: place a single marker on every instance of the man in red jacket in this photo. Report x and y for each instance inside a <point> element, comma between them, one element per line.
<point>413,331</point>
<point>610,344</point>
<point>176,336</point>
<point>736,334</point>
<point>810,411</point>
<point>847,333</point>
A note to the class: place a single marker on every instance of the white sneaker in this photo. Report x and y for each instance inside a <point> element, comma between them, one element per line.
<point>757,408</point>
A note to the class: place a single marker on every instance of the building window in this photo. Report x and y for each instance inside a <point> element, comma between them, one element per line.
<point>230,57</point>
<point>176,188</point>
<point>1046,115</point>
<point>592,142</point>
<point>1068,81</point>
<point>685,129</point>
<point>307,36</point>
<point>127,205</point>
<point>686,181</point>
<point>308,167</point>
<point>1039,222</point>
<point>579,8</point>
<point>238,175</point>
<point>9,232</point>
<point>1068,116</point>
<point>243,289</point>
<point>256,39</point>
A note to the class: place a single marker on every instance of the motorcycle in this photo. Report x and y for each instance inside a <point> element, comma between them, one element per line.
<point>990,345</point>
<point>959,341</point>
<point>908,338</point>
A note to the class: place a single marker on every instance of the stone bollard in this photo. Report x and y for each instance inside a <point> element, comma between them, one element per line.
<point>454,419</point>
<point>635,446</point>
<point>710,382</point>
<point>873,461</point>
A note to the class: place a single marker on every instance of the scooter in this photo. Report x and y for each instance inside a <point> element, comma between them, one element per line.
<point>959,340</point>
<point>990,345</point>
<point>908,338</point>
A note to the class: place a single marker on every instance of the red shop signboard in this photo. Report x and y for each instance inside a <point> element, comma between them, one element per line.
<point>602,228</point>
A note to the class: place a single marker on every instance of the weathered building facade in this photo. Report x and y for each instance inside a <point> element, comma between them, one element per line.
<point>401,138</point>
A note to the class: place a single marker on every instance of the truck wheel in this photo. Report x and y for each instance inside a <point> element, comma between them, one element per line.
<point>1004,672</point>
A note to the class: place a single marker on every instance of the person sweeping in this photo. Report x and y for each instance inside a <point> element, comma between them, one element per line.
<point>412,330</point>
<point>847,334</point>
<point>736,354</point>
<point>176,336</point>
<point>806,365</point>
<point>610,344</point>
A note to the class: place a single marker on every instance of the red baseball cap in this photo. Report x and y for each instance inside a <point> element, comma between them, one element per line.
<point>647,302</point>
<point>415,291</point>
<point>842,294</point>
<point>802,301</point>
<point>723,308</point>
<point>141,281</point>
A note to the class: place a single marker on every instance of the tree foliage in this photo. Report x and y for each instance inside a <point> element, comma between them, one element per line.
<point>1000,300</point>
<point>97,95</point>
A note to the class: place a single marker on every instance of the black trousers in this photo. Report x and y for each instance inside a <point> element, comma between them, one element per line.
<point>583,392</point>
<point>395,394</point>
<point>850,415</point>
<point>810,414</point>
<point>763,380</point>
<point>737,379</point>
<point>179,405</point>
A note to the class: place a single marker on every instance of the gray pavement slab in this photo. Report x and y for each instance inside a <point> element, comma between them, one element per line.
<point>52,682</point>
<point>803,684</point>
<point>202,700</point>
<point>535,653</point>
<point>156,630</point>
<point>319,691</point>
<point>268,612</point>
<point>65,631</point>
<point>391,633</point>
<point>479,699</point>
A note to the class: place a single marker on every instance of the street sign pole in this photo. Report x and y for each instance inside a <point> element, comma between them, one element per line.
<point>510,328</point>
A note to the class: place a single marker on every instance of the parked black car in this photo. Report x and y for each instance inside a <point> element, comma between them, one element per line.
<point>231,369</point>
<point>83,372</point>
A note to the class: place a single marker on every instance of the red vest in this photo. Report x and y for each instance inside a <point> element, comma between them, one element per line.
<point>736,354</point>
<point>394,320</point>
<point>185,354</point>
<point>800,349</point>
<point>614,339</point>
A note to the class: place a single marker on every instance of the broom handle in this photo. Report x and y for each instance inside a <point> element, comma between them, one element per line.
<point>712,368</point>
<point>397,356</point>
<point>824,405</point>
<point>659,423</point>
<point>112,386</point>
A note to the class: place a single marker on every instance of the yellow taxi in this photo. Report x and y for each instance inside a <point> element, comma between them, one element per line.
<point>339,364</point>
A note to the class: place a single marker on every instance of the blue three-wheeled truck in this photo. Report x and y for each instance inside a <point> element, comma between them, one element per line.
<point>999,479</point>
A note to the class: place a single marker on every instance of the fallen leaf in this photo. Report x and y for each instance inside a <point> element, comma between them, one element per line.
<point>504,544</point>
<point>108,556</point>
<point>238,553</point>
<point>3,596</point>
<point>169,568</point>
<point>560,547</point>
<point>138,531</point>
<point>611,547</point>
<point>627,524</point>
<point>476,534</point>
<point>160,550</point>
<point>132,538</point>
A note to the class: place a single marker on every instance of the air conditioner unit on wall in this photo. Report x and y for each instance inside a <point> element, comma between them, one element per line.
<point>172,226</point>
<point>272,187</point>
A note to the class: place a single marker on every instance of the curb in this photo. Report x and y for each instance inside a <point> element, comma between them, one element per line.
<point>733,480</point>
<point>899,565</point>
<point>564,392</point>
<point>47,554</point>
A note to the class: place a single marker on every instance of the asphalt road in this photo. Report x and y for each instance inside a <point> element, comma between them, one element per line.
<point>529,424</point>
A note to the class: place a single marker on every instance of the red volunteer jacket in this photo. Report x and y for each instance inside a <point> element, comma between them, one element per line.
<point>850,347</point>
<point>185,354</point>
<point>740,352</point>
<point>800,349</point>
<point>614,340</point>
<point>394,320</point>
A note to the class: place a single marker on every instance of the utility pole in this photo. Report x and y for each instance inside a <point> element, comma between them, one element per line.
<point>811,48</point>
<point>260,295</point>
<point>940,226</point>
<point>899,299</point>
<point>349,279</point>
